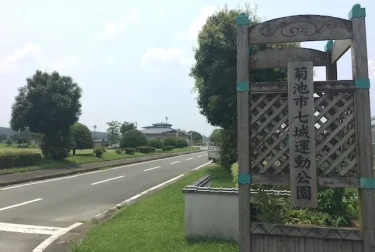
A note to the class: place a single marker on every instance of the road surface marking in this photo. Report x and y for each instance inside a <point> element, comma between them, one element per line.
<point>99,182</point>
<point>20,204</point>
<point>200,156</point>
<point>28,229</point>
<point>205,154</point>
<point>176,162</point>
<point>189,158</point>
<point>202,166</point>
<point>149,169</point>
<point>54,237</point>
<point>88,173</point>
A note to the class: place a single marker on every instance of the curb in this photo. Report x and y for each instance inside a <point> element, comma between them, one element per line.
<point>109,212</point>
<point>63,174</point>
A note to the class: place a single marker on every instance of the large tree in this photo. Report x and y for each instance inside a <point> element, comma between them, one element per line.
<point>215,71</point>
<point>113,132</point>
<point>195,135</point>
<point>81,137</point>
<point>132,139</point>
<point>127,126</point>
<point>49,104</point>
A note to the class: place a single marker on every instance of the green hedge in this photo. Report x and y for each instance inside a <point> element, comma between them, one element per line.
<point>130,151</point>
<point>168,148</point>
<point>145,149</point>
<point>9,160</point>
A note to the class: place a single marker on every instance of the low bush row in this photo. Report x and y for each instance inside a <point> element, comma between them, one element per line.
<point>16,159</point>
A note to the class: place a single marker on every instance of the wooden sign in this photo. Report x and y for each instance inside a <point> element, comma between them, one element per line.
<point>303,183</point>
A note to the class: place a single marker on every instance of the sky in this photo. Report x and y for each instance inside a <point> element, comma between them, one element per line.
<point>132,58</point>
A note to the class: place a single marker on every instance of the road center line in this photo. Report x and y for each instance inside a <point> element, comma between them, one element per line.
<point>99,182</point>
<point>20,204</point>
<point>149,169</point>
<point>189,158</point>
<point>176,162</point>
<point>200,156</point>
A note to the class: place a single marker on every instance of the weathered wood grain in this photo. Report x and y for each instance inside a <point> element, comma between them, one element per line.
<point>319,86</point>
<point>279,58</point>
<point>331,67</point>
<point>341,182</point>
<point>300,28</point>
<point>363,131</point>
<point>339,48</point>
<point>243,137</point>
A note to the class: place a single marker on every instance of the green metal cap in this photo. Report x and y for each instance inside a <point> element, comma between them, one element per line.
<point>242,19</point>
<point>357,12</point>
<point>329,45</point>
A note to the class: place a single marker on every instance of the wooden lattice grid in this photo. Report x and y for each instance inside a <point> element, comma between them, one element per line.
<point>335,134</point>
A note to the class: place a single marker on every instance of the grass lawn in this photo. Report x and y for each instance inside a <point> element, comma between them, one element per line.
<point>155,223</point>
<point>81,157</point>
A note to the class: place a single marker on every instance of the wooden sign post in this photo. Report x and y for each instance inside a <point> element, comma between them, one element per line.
<point>303,183</point>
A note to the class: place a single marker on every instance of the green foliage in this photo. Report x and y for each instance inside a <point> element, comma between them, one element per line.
<point>156,143</point>
<point>99,152</point>
<point>56,145</point>
<point>132,139</point>
<point>271,209</point>
<point>196,136</point>
<point>3,137</point>
<point>130,151</point>
<point>15,159</point>
<point>171,141</point>
<point>113,132</point>
<point>81,137</point>
<point>168,148</point>
<point>145,149</point>
<point>216,136</point>
<point>118,151</point>
<point>49,104</point>
<point>9,142</point>
<point>180,142</point>
<point>127,126</point>
<point>340,204</point>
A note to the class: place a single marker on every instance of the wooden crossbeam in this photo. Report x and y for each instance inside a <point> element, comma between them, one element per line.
<point>339,48</point>
<point>319,86</point>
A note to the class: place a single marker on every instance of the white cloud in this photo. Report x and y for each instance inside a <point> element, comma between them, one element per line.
<point>110,61</point>
<point>195,27</point>
<point>165,55</point>
<point>158,11</point>
<point>8,64</point>
<point>61,64</point>
<point>114,28</point>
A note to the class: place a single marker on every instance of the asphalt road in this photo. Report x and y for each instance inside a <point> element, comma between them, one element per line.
<point>32,214</point>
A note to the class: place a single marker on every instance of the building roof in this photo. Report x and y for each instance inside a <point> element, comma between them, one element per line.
<point>157,130</point>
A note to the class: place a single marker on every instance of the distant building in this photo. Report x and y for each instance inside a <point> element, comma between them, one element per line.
<point>163,131</point>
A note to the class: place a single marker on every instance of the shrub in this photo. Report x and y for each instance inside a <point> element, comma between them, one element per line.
<point>98,152</point>
<point>9,142</point>
<point>8,160</point>
<point>170,142</point>
<point>130,151</point>
<point>133,138</point>
<point>167,148</point>
<point>81,137</point>
<point>234,171</point>
<point>118,151</point>
<point>180,142</point>
<point>156,143</point>
<point>145,149</point>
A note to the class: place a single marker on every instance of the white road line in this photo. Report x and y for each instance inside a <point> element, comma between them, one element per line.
<point>205,154</point>
<point>189,158</point>
<point>88,173</point>
<point>20,204</point>
<point>200,156</point>
<point>202,166</point>
<point>147,191</point>
<point>149,169</point>
<point>102,181</point>
<point>28,229</point>
<point>176,162</point>
<point>54,237</point>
